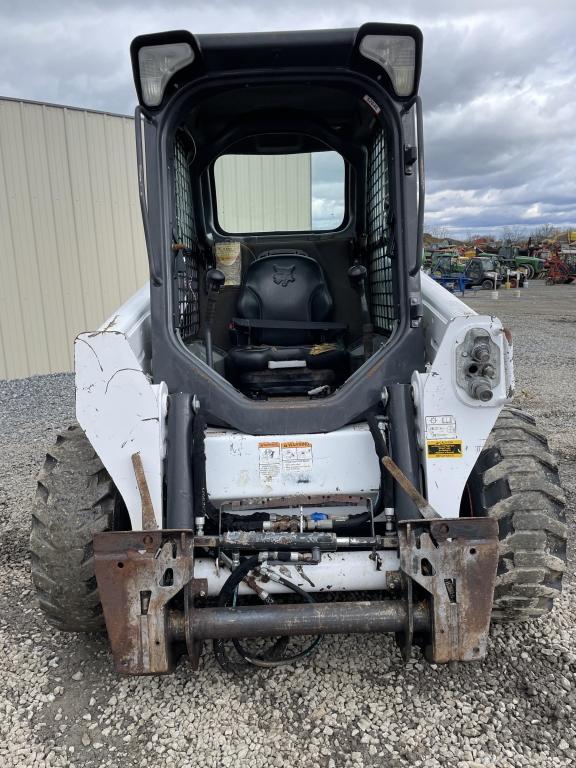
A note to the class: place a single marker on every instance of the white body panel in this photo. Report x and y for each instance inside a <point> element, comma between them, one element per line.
<point>443,408</point>
<point>121,412</point>
<point>247,467</point>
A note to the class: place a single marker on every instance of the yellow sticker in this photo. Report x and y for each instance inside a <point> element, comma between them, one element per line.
<point>444,449</point>
<point>296,444</point>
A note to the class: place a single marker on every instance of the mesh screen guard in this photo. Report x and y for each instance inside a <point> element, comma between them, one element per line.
<point>186,315</point>
<point>381,245</point>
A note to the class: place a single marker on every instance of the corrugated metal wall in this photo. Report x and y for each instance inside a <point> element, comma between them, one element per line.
<point>269,193</point>
<point>71,240</point>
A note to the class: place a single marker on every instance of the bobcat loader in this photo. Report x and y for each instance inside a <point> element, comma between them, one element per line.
<point>291,431</point>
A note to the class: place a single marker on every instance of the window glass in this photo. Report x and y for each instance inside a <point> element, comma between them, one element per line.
<point>280,193</point>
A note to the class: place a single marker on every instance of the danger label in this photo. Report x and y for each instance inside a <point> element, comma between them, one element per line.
<point>440,427</point>
<point>444,449</point>
<point>287,459</point>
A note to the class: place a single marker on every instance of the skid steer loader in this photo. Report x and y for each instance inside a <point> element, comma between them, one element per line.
<point>291,431</point>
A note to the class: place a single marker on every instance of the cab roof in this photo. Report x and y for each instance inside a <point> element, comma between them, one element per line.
<point>302,50</point>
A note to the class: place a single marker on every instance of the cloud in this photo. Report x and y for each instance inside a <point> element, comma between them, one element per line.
<point>498,84</point>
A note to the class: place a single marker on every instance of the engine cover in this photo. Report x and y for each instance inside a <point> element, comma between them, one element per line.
<point>242,467</point>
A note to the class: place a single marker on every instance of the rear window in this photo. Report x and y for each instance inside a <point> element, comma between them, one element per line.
<point>280,193</point>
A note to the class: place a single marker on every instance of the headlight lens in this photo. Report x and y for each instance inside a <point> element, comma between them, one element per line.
<point>396,55</point>
<point>157,64</point>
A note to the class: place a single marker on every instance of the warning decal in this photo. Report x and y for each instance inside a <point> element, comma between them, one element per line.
<point>444,449</point>
<point>288,459</point>
<point>296,457</point>
<point>270,461</point>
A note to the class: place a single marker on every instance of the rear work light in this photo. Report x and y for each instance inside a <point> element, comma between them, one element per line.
<point>157,64</point>
<point>396,54</point>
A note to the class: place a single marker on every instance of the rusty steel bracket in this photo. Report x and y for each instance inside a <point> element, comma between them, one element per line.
<point>425,509</point>
<point>138,573</point>
<point>454,561</point>
<point>148,518</point>
<point>149,597</point>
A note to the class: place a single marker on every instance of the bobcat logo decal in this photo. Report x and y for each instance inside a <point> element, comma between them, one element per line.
<point>283,275</point>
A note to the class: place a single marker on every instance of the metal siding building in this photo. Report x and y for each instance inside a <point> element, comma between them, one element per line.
<point>267,193</point>
<point>71,238</point>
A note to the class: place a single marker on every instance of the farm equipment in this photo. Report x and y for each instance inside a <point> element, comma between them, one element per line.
<point>291,431</point>
<point>506,272</point>
<point>483,271</point>
<point>526,260</point>
<point>560,269</point>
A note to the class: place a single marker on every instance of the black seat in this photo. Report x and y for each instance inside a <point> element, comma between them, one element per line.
<point>283,316</point>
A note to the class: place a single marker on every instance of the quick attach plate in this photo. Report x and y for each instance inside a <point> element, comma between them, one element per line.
<point>138,573</point>
<point>455,562</point>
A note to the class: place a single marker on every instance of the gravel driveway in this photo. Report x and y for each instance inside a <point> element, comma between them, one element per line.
<point>352,704</point>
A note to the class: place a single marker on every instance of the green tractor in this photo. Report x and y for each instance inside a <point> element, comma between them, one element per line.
<point>523,259</point>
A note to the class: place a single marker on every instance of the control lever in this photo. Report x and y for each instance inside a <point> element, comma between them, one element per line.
<point>357,275</point>
<point>215,279</point>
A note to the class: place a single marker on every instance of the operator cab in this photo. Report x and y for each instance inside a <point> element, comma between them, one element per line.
<point>281,228</point>
<point>285,161</point>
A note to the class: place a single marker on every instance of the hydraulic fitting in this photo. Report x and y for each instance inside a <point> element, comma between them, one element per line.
<point>480,389</point>
<point>480,352</point>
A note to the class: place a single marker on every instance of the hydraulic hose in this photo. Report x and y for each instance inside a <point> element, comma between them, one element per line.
<point>386,495</point>
<point>352,522</point>
<point>224,598</point>
<point>274,657</point>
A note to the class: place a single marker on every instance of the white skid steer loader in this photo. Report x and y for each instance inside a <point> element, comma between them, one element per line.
<point>291,409</point>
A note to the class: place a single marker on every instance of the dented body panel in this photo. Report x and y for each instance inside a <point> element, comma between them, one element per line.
<point>118,407</point>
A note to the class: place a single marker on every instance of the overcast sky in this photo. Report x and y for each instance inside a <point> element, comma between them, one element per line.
<point>498,84</point>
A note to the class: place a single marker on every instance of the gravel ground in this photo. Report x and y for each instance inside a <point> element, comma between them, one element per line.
<point>354,703</point>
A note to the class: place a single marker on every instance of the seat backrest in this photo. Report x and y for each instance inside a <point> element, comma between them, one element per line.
<point>285,285</point>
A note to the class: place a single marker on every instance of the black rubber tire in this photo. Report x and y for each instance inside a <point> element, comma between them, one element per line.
<point>515,481</point>
<point>488,285</point>
<point>74,500</point>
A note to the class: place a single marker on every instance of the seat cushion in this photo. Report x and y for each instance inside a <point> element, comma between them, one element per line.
<point>333,357</point>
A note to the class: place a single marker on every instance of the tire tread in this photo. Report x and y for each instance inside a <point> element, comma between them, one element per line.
<point>75,499</point>
<point>516,482</point>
